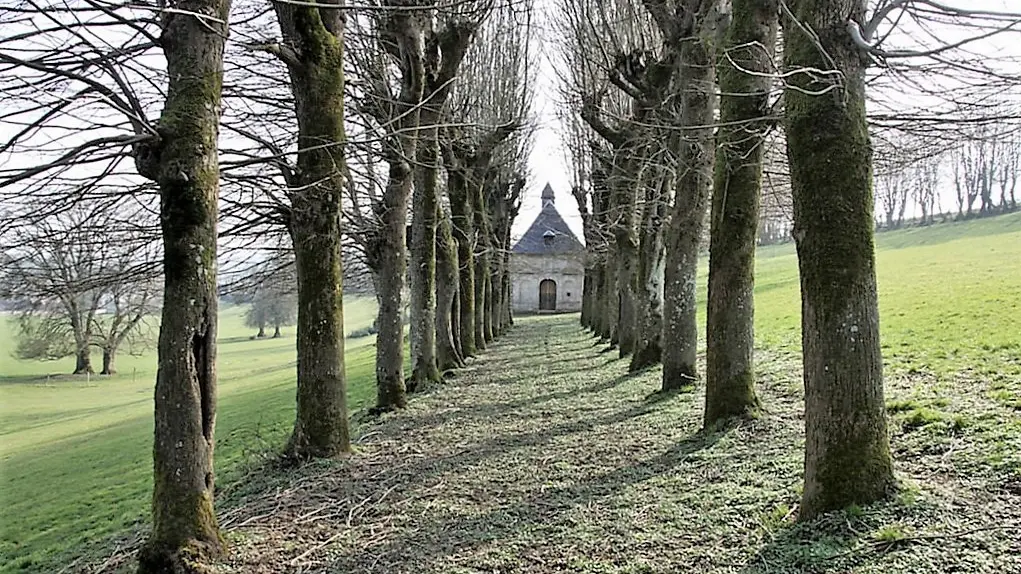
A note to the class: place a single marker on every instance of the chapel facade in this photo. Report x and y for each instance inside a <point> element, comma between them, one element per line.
<point>547,265</point>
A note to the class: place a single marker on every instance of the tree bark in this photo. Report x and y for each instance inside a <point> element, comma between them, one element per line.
<point>183,163</point>
<point>734,220</point>
<point>387,249</point>
<point>316,38</point>
<point>695,77</point>
<point>447,356</point>
<point>627,274</point>
<point>482,267</point>
<point>387,257</point>
<point>424,367</point>
<point>109,354</point>
<point>461,211</point>
<point>649,298</point>
<point>847,453</point>
<point>83,360</point>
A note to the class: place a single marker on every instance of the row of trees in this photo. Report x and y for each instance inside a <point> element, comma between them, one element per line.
<point>674,105</point>
<point>320,125</point>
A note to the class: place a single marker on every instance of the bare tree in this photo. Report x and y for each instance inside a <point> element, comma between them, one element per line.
<point>81,279</point>
<point>95,65</point>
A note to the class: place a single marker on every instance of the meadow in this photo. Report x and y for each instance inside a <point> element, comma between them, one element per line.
<point>75,454</point>
<point>75,451</point>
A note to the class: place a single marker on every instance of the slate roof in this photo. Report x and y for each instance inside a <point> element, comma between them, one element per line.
<point>548,223</point>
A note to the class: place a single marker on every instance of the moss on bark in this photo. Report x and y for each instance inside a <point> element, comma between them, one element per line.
<point>847,454</point>
<point>184,165</point>
<point>734,220</point>
<point>316,36</point>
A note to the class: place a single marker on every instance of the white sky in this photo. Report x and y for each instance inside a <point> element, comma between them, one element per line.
<point>548,164</point>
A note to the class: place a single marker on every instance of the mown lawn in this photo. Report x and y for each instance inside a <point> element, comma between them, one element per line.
<point>545,456</point>
<point>75,452</point>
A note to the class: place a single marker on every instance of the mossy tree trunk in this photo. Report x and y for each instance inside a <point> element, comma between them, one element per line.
<point>444,52</point>
<point>651,260</point>
<point>447,354</point>
<point>624,203</point>
<point>386,248</point>
<point>314,51</point>
<point>504,200</point>
<point>463,230</point>
<point>734,220</point>
<point>847,452</point>
<point>424,367</point>
<point>695,79</point>
<point>183,163</point>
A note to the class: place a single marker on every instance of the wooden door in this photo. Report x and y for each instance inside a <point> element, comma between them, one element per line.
<point>548,295</point>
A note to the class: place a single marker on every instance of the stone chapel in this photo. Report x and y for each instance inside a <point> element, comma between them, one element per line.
<point>547,265</point>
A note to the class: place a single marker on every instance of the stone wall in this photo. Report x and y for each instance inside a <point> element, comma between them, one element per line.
<point>528,271</point>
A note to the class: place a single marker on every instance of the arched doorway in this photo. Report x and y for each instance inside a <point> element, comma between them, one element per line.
<point>548,295</point>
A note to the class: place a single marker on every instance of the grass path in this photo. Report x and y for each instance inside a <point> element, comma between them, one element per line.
<point>545,456</point>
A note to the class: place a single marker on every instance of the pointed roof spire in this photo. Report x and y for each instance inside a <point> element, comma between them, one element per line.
<point>549,233</point>
<point>548,197</point>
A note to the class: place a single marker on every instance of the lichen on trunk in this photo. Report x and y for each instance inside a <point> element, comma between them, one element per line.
<point>651,259</point>
<point>183,163</point>
<point>695,78</point>
<point>447,355</point>
<point>847,451</point>
<point>745,82</point>
<point>315,37</point>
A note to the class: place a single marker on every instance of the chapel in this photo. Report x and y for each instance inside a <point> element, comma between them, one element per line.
<point>547,265</point>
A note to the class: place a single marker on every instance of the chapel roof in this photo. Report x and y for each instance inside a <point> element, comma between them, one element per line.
<point>549,233</point>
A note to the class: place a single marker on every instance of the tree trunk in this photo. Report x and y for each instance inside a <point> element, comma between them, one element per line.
<point>317,81</point>
<point>847,453</point>
<point>276,331</point>
<point>730,311</point>
<point>487,315</point>
<point>649,297</point>
<point>184,165</point>
<point>109,354</point>
<point>387,257</point>
<point>611,296</point>
<point>627,273</point>
<point>83,360</point>
<point>599,302</point>
<point>464,232</point>
<point>424,367</point>
<point>482,266</point>
<point>447,356</point>
<point>262,332</point>
<point>586,298</point>
<point>696,78</point>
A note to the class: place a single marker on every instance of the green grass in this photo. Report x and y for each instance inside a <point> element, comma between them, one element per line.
<point>75,462</point>
<point>75,454</point>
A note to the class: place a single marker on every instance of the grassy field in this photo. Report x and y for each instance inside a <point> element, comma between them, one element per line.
<point>76,455</point>
<point>545,456</point>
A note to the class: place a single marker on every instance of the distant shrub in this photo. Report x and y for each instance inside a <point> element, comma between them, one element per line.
<point>364,332</point>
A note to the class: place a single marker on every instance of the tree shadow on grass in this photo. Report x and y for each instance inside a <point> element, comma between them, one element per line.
<point>437,537</point>
<point>498,409</point>
<point>830,543</point>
